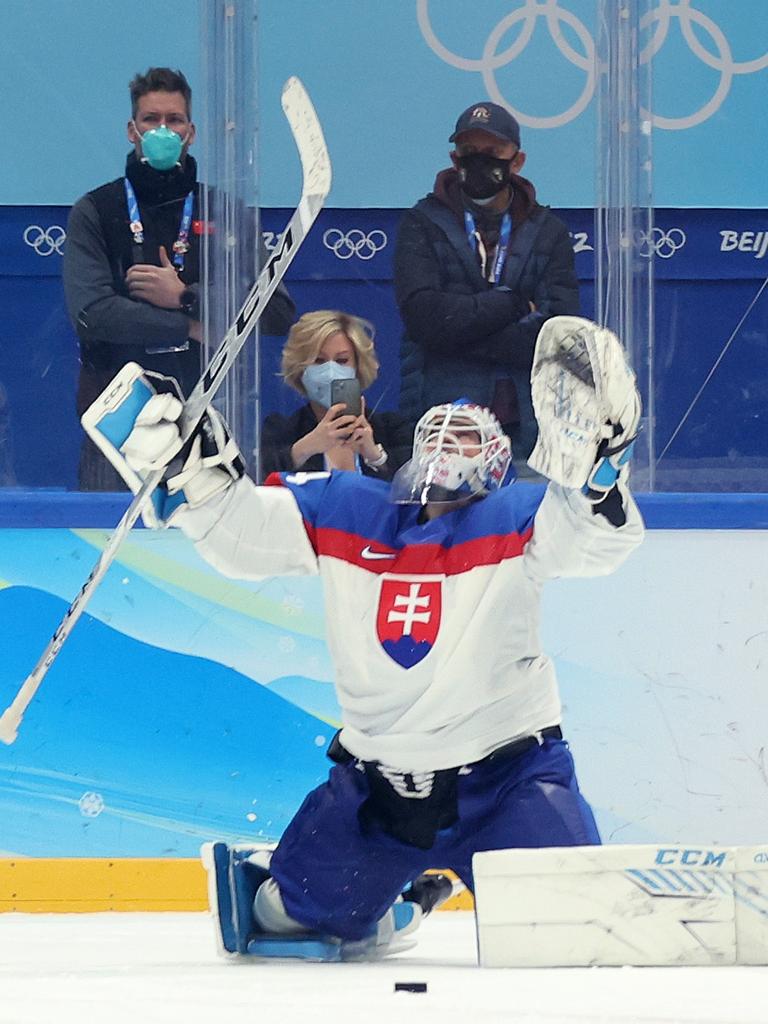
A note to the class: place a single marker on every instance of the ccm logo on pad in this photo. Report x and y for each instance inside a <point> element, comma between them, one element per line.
<point>690,858</point>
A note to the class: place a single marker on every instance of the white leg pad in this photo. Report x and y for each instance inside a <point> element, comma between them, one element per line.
<point>622,905</point>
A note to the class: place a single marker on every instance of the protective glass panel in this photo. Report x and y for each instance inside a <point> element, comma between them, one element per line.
<point>187,706</point>
<point>693,74</point>
<point>231,242</point>
<point>71,313</point>
<point>682,283</point>
<point>624,268</point>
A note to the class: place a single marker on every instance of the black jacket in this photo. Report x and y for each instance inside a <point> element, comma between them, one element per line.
<point>112,327</point>
<point>464,337</point>
<point>280,433</point>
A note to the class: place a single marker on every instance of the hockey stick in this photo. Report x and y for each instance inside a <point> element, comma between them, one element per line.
<point>316,171</point>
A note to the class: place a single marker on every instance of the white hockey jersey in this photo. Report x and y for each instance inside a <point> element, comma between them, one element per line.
<point>433,627</point>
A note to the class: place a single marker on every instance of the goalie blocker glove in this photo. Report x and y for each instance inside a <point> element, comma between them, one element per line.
<point>194,471</point>
<point>203,466</point>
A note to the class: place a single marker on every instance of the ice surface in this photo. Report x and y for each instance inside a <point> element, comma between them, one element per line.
<point>152,968</point>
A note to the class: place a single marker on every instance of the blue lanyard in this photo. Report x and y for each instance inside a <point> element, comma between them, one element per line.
<point>181,245</point>
<point>502,248</point>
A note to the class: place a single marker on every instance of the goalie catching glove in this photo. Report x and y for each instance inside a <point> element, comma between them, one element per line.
<point>586,403</point>
<point>136,422</point>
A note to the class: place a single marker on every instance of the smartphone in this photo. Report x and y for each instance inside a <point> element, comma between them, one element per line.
<point>348,392</point>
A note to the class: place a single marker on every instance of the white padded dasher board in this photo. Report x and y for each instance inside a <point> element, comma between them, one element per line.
<point>589,906</point>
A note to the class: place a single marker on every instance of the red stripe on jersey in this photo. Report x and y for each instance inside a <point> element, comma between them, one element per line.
<point>418,558</point>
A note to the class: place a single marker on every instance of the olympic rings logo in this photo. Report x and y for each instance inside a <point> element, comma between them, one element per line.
<point>657,21</point>
<point>46,241</point>
<point>345,245</point>
<point>663,244</point>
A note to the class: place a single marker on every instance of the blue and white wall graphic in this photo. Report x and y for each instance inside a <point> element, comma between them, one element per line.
<point>186,706</point>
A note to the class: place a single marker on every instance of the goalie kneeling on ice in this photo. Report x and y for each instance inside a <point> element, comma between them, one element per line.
<point>589,906</point>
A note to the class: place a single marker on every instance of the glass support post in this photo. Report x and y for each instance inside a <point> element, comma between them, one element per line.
<point>230,260</point>
<point>624,252</point>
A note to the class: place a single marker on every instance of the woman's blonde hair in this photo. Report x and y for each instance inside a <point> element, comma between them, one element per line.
<point>310,333</point>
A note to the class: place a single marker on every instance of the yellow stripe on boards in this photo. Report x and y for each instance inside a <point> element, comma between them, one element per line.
<point>42,885</point>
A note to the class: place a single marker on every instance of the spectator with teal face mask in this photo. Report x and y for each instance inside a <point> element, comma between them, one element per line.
<point>324,346</point>
<point>132,259</point>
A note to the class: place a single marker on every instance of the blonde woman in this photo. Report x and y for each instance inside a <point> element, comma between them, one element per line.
<point>323,346</point>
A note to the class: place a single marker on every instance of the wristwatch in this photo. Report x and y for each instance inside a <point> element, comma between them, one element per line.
<point>188,302</point>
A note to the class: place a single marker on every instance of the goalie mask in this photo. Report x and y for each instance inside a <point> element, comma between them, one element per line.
<point>459,451</point>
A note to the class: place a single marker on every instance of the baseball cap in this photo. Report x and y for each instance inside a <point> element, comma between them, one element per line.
<point>490,117</point>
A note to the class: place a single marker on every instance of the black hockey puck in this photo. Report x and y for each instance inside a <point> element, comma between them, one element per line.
<point>410,986</point>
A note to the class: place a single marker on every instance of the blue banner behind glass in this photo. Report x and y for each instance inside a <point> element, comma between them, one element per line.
<point>710,266</point>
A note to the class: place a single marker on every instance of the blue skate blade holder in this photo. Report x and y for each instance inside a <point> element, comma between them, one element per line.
<point>318,947</point>
<point>301,948</point>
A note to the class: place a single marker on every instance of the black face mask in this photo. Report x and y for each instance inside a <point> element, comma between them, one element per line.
<point>482,176</point>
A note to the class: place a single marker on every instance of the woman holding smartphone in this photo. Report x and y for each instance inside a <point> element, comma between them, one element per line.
<point>330,359</point>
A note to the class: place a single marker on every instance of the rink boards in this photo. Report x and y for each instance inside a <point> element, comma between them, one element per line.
<point>186,707</point>
<point>81,885</point>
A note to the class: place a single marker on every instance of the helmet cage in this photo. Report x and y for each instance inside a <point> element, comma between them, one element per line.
<point>446,464</point>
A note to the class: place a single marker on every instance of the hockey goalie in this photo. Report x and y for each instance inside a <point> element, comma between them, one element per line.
<point>451,741</point>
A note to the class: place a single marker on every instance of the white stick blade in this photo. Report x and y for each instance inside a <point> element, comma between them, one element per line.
<point>9,727</point>
<point>308,134</point>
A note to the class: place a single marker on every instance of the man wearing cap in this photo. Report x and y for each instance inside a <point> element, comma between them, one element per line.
<point>479,266</point>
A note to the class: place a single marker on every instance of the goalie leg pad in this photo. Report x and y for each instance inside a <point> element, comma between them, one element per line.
<point>285,937</point>
<point>234,877</point>
<point>644,905</point>
<point>237,878</point>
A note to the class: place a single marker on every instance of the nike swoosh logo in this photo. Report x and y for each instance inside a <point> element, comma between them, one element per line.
<point>367,553</point>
